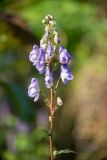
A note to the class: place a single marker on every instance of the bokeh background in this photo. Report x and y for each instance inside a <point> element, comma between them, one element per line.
<point>81,123</point>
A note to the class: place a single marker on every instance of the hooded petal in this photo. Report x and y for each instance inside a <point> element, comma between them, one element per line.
<point>66,74</point>
<point>64,56</point>
<point>48,78</point>
<point>34,54</point>
<point>33,89</point>
<point>50,49</point>
<point>40,65</point>
<point>36,97</point>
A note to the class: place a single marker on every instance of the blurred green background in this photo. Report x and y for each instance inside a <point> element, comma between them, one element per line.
<point>81,124</point>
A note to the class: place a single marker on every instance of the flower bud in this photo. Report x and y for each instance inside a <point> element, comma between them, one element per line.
<point>59,101</point>
<point>47,28</point>
<point>52,23</point>
<point>44,38</point>
<point>43,21</point>
<point>50,17</point>
<point>56,39</point>
<point>44,45</point>
<point>46,17</point>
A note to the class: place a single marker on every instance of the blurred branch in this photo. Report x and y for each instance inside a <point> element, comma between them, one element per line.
<point>19,27</point>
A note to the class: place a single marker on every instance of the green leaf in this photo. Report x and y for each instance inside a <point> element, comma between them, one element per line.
<point>65,151</point>
<point>46,131</point>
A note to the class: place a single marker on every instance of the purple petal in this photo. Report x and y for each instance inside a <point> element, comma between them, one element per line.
<point>34,89</point>
<point>48,78</point>
<point>36,97</point>
<point>40,65</point>
<point>66,74</point>
<point>34,54</point>
<point>32,92</point>
<point>49,51</point>
<point>64,56</point>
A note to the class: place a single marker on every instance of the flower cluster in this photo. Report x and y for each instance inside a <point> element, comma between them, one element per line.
<point>45,56</point>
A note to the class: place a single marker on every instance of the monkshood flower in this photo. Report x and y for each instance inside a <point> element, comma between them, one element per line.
<point>40,63</point>
<point>48,78</point>
<point>34,54</point>
<point>49,51</point>
<point>64,56</point>
<point>33,89</point>
<point>46,60</point>
<point>66,74</point>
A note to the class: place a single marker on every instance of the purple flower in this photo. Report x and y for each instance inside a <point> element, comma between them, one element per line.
<point>33,89</point>
<point>48,78</point>
<point>34,54</point>
<point>49,51</point>
<point>66,74</point>
<point>64,56</point>
<point>40,64</point>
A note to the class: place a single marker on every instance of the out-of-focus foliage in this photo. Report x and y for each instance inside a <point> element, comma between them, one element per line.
<point>81,123</point>
<point>22,142</point>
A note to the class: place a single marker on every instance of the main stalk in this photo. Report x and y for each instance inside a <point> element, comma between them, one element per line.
<point>51,124</point>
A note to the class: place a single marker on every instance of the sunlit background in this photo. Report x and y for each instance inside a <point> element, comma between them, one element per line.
<point>81,123</point>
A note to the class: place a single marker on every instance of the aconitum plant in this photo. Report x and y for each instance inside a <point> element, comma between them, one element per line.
<point>47,58</point>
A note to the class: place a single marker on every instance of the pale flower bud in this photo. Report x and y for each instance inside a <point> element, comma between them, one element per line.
<point>56,37</point>
<point>46,17</point>
<point>50,17</point>
<point>59,101</point>
<point>47,28</point>
<point>52,23</point>
<point>44,45</point>
<point>43,21</point>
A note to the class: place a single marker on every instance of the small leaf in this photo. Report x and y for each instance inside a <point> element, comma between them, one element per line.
<point>46,131</point>
<point>45,99</point>
<point>56,108</point>
<point>62,152</point>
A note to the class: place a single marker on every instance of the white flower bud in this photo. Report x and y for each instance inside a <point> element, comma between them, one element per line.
<point>55,32</point>
<point>52,23</point>
<point>51,17</point>
<point>44,38</point>
<point>59,101</point>
<point>54,48</point>
<point>56,38</point>
<point>43,45</point>
<point>43,21</point>
<point>47,28</point>
<point>46,17</point>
